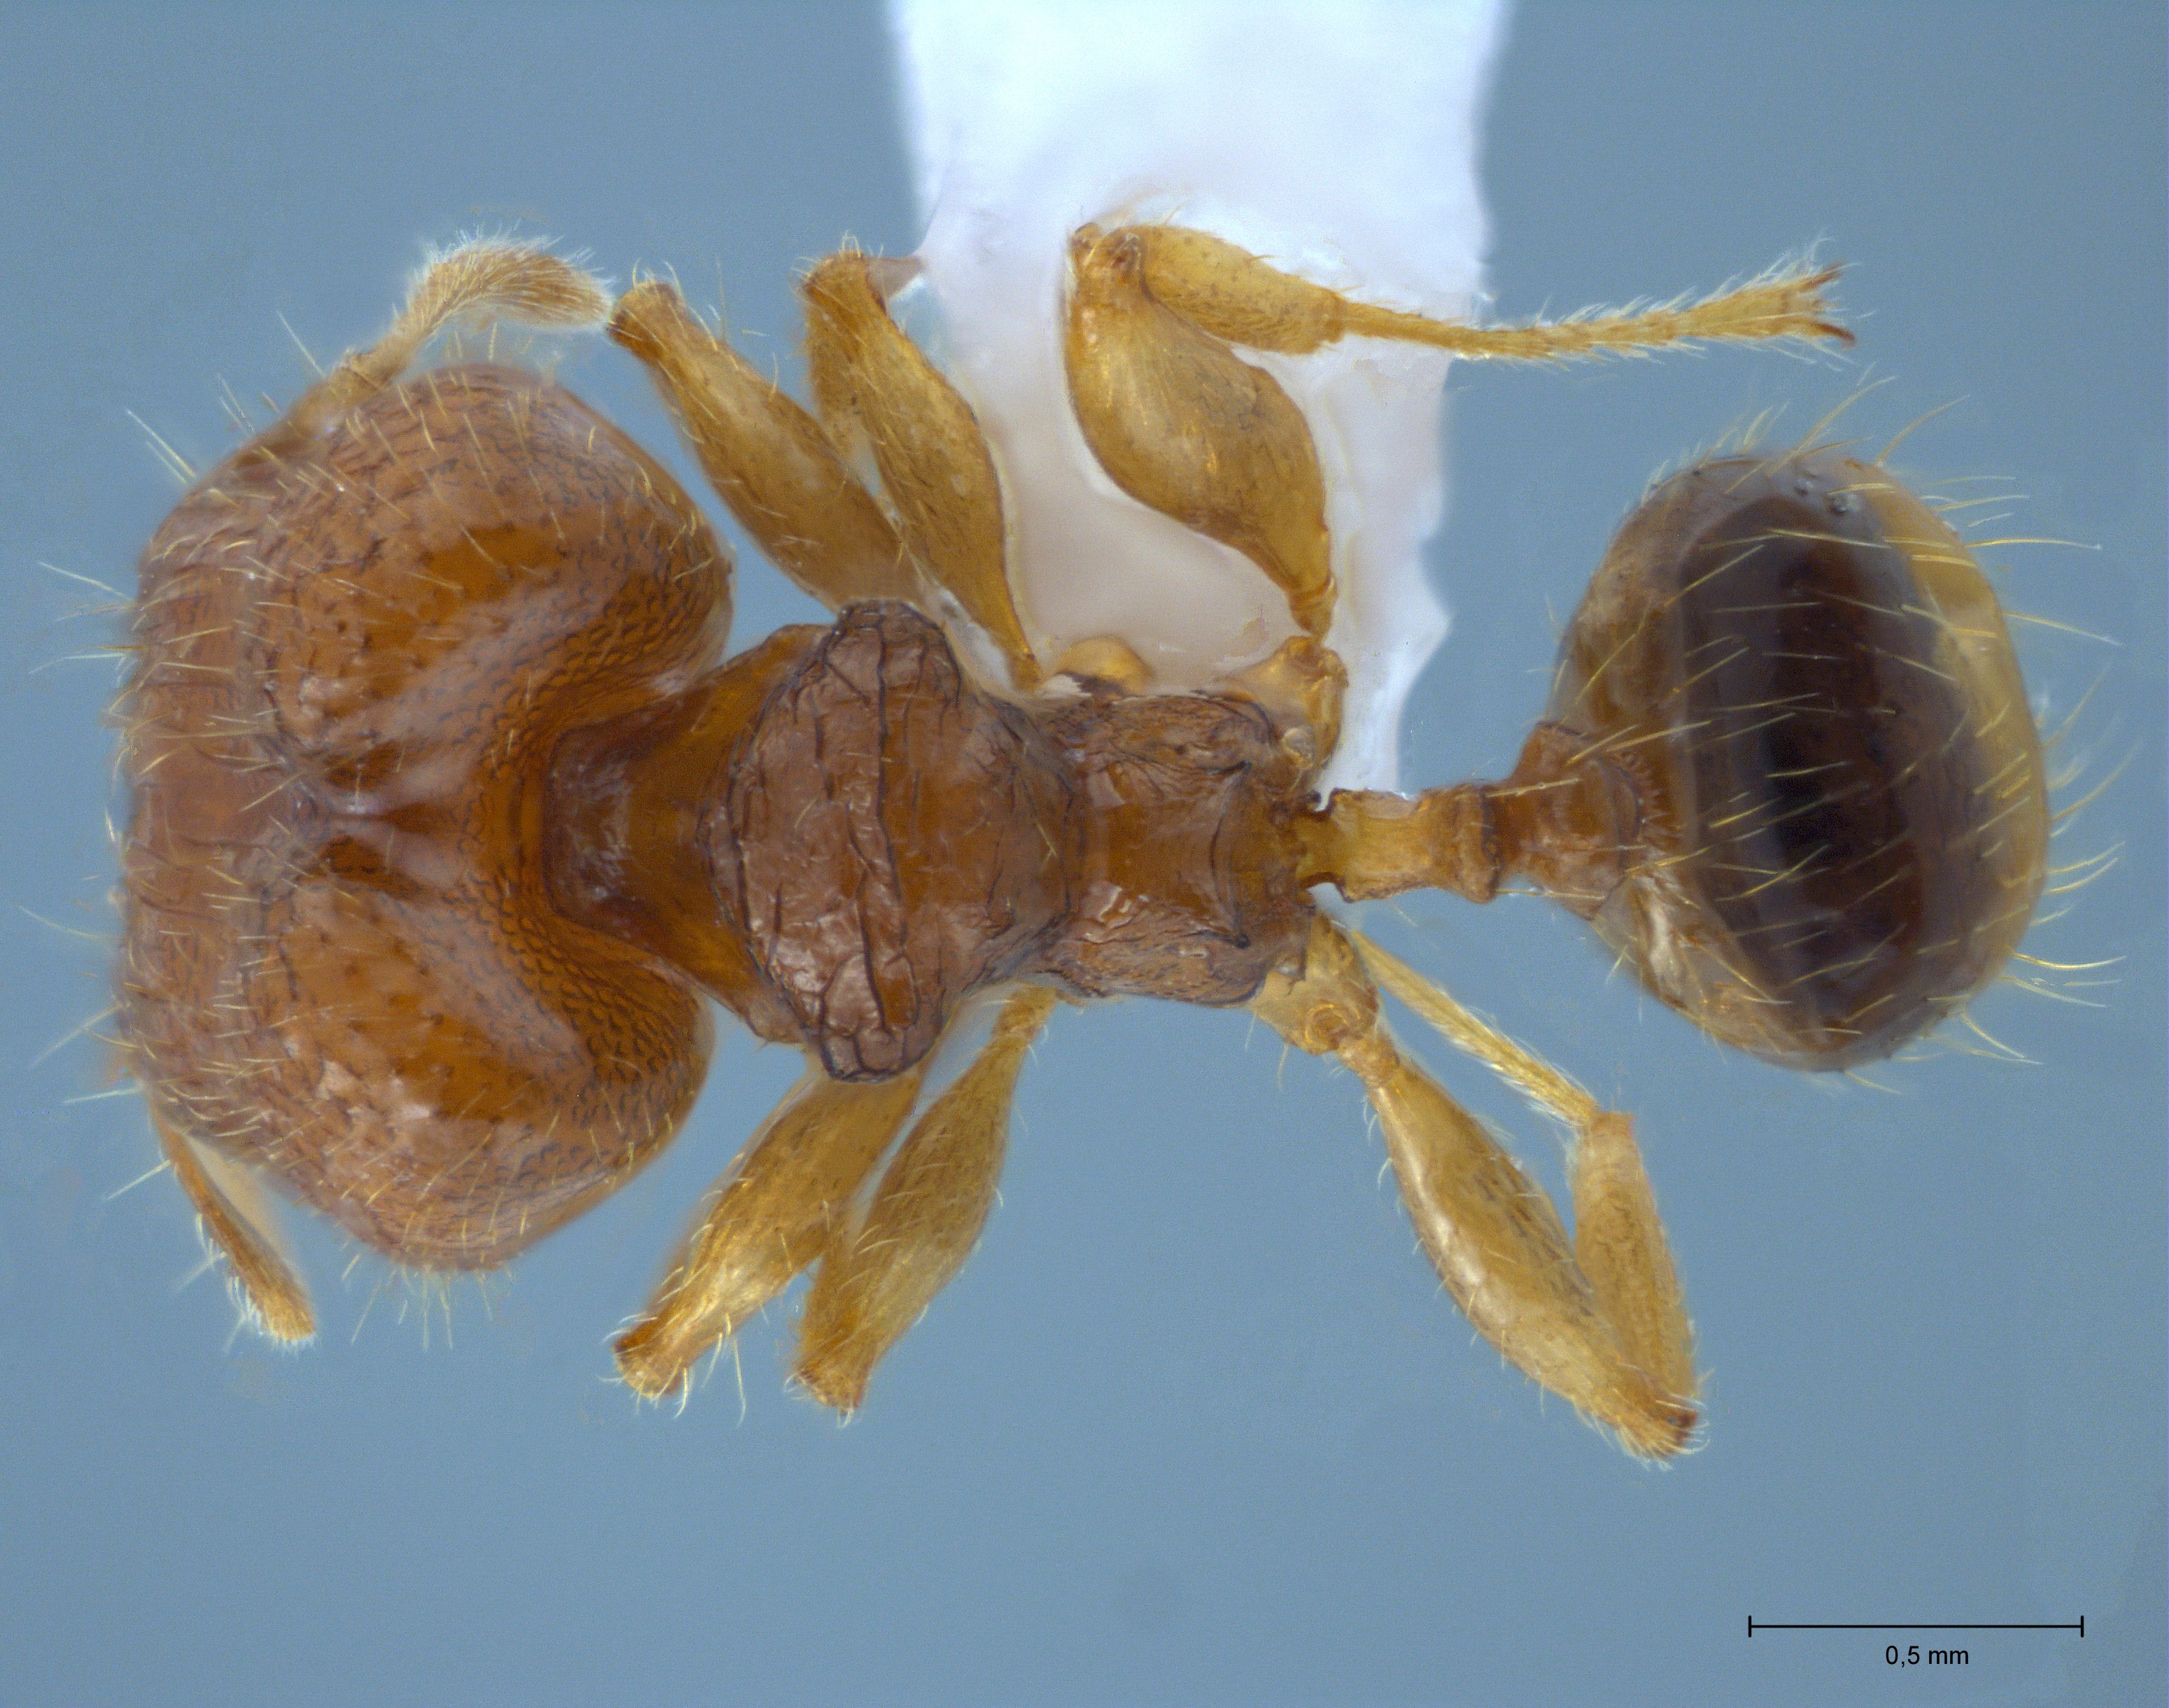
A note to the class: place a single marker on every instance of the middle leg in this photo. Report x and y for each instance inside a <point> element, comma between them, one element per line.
<point>881,1272</point>
<point>876,388</point>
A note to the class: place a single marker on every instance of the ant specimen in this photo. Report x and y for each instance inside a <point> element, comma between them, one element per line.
<point>450,816</point>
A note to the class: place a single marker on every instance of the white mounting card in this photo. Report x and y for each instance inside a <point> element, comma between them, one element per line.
<point>1337,139</point>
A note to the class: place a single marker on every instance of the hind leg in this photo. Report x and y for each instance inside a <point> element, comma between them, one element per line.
<point>1183,424</point>
<point>1235,297</point>
<point>1599,1320</point>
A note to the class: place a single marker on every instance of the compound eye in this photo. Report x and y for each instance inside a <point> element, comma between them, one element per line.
<point>1809,681</point>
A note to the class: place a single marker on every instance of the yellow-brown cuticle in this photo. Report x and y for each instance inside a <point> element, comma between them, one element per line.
<point>892,838</point>
<point>341,960</point>
<point>450,813</point>
<point>1371,844</point>
<point>884,839</point>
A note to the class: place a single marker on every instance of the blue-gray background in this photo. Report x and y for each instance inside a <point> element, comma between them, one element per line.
<point>1196,1424</point>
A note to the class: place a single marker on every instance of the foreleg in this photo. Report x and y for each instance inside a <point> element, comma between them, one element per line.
<point>777,1210</point>
<point>480,281</point>
<point>239,1221</point>
<point>766,457</point>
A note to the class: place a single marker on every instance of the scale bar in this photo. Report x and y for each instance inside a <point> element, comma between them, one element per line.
<point>1754,1624</point>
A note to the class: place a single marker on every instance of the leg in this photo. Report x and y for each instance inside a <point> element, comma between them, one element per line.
<point>1182,425</point>
<point>776,1212</point>
<point>877,1280</point>
<point>1301,684</point>
<point>1236,296</point>
<point>1106,657</point>
<point>238,1221</point>
<point>875,386</point>
<point>767,457</point>
<point>1600,1321</point>
<point>1618,1239</point>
